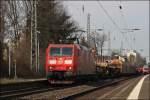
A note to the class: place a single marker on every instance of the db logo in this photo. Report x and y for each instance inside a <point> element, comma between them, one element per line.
<point>60,61</point>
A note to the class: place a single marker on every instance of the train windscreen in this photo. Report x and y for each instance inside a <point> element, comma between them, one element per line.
<point>65,51</point>
<point>55,52</point>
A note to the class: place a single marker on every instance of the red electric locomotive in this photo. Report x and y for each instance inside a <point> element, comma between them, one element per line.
<point>65,63</point>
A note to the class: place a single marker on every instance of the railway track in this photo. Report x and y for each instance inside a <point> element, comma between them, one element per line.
<point>11,89</point>
<point>73,92</point>
<point>18,85</point>
<point>16,90</point>
<point>24,92</point>
<point>80,89</point>
<point>83,93</point>
<point>25,88</point>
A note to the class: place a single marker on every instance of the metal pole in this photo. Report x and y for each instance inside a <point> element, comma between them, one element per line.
<point>109,45</point>
<point>31,35</point>
<point>134,43</point>
<point>149,46</point>
<point>36,50</point>
<point>38,53</point>
<point>121,48</point>
<point>15,61</point>
<point>15,70</point>
<point>9,58</point>
<point>88,28</point>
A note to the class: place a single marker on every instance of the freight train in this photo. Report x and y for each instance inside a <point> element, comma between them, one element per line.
<point>116,66</point>
<point>67,63</point>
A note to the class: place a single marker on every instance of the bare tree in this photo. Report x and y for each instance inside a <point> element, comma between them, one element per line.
<point>15,21</point>
<point>100,40</point>
<point>2,35</point>
<point>53,22</point>
<point>1,32</point>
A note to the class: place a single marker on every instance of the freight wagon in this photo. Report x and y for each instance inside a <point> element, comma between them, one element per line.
<point>116,66</point>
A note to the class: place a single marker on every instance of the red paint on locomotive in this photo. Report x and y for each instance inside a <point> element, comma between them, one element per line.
<point>64,62</point>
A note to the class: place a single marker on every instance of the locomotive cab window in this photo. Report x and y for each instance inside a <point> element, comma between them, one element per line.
<point>55,52</point>
<point>66,51</point>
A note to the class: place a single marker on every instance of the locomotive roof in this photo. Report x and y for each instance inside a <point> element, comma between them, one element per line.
<point>61,45</point>
<point>70,45</point>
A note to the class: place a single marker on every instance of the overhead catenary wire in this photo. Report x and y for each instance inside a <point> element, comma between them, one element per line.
<point>124,23</point>
<point>83,10</point>
<point>109,16</point>
<point>130,37</point>
<point>111,19</point>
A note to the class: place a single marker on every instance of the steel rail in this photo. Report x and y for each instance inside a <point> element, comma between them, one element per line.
<point>72,96</point>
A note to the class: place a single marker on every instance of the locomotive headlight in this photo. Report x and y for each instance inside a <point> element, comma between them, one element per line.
<point>68,61</point>
<point>52,61</point>
<point>50,67</point>
<point>70,68</point>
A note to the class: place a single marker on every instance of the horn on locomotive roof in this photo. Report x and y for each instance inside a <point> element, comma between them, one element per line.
<point>73,40</point>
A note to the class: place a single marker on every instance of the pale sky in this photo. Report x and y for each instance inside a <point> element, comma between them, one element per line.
<point>134,14</point>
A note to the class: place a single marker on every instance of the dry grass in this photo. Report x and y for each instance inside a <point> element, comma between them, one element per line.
<point>9,81</point>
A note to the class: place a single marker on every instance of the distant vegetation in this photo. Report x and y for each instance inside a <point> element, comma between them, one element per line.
<point>53,23</point>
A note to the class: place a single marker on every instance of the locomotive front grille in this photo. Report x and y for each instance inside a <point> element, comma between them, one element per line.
<point>60,75</point>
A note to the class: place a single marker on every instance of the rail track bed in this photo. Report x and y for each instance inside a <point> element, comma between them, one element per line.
<point>57,92</point>
<point>21,85</point>
<point>14,90</point>
<point>75,91</point>
<point>92,88</point>
<point>119,90</point>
